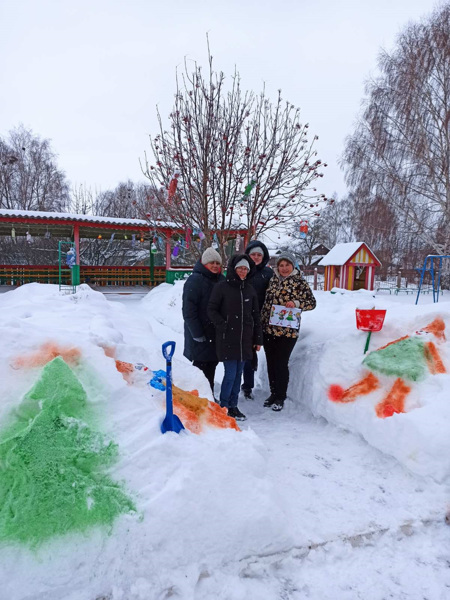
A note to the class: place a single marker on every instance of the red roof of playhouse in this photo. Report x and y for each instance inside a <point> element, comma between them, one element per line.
<point>350,252</point>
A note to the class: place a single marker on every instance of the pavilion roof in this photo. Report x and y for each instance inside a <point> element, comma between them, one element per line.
<point>91,226</point>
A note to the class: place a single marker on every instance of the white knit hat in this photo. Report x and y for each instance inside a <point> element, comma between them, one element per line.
<point>242,263</point>
<point>256,250</point>
<point>211,255</point>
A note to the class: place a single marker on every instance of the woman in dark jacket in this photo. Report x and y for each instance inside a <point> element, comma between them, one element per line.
<point>234,310</point>
<point>199,332</point>
<point>287,288</point>
<point>259,278</point>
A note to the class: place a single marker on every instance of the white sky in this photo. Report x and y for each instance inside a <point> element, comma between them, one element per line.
<point>88,74</point>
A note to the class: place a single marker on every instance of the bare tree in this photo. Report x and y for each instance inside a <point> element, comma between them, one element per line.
<point>29,176</point>
<point>336,222</point>
<point>397,161</point>
<point>81,199</point>
<point>127,200</point>
<point>334,225</point>
<point>303,247</point>
<point>238,158</point>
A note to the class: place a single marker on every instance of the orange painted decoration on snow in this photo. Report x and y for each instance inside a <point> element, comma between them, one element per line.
<point>437,328</point>
<point>194,412</point>
<point>434,359</point>
<point>109,351</point>
<point>394,402</point>
<point>368,384</point>
<point>45,354</point>
<point>405,337</point>
<point>127,370</point>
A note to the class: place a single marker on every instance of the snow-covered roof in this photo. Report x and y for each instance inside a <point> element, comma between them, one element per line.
<point>341,253</point>
<point>316,257</point>
<point>58,216</point>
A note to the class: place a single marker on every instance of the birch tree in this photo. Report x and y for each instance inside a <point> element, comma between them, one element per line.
<point>397,159</point>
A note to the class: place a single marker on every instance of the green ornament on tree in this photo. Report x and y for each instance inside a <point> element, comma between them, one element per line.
<point>248,189</point>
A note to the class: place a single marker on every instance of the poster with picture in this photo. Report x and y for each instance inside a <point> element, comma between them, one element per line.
<point>282,316</point>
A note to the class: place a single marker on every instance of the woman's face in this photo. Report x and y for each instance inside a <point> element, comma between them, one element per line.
<point>257,258</point>
<point>214,267</point>
<point>285,268</point>
<point>241,272</point>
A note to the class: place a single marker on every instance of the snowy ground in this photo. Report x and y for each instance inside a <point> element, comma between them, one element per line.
<point>293,507</point>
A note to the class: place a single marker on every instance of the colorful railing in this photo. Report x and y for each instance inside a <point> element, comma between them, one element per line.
<point>101,276</point>
<point>120,276</point>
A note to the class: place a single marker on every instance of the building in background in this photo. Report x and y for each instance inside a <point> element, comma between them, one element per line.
<point>350,266</point>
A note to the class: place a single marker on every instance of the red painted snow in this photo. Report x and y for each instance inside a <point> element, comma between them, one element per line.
<point>394,402</point>
<point>365,386</point>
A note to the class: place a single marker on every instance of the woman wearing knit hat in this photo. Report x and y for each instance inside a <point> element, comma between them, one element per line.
<point>259,278</point>
<point>288,288</point>
<point>199,332</point>
<point>233,308</point>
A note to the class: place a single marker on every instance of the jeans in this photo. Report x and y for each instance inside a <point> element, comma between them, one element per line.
<point>249,376</point>
<point>231,383</point>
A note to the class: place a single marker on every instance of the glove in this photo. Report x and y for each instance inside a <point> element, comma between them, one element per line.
<point>200,339</point>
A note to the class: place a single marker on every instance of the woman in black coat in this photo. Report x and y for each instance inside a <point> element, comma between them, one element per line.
<point>234,310</point>
<point>259,278</point>
<point>199,332</point>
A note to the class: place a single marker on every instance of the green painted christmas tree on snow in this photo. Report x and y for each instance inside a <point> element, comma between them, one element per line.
<point>53,464</point>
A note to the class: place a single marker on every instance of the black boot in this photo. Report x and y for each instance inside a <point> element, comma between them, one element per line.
<point>277,405</point>
<point>238,415</point>
<point>270,400</point>
<point>235,413</point>
<point>231,412</point>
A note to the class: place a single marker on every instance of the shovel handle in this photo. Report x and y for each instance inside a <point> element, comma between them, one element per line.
<point>168,348</point>
<point>367,342</point>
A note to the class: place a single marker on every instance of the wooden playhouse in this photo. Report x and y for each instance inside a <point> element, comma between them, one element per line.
<point>350,266</point>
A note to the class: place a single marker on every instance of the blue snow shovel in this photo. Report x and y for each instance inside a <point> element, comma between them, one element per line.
<point>171,421</point>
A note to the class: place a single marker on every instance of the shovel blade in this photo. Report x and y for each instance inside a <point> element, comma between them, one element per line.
<point>171,423</point>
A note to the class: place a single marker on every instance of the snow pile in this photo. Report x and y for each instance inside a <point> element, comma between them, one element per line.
<point>209,511</point>
<point>197,497</point>
<point>330,353</point>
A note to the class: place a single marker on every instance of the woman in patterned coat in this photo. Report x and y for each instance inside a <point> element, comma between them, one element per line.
<point>287,288</point>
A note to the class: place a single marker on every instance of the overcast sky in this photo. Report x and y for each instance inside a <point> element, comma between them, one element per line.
<point>88,74</point>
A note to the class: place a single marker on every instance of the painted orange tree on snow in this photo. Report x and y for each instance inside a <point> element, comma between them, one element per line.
<point>407,358</point>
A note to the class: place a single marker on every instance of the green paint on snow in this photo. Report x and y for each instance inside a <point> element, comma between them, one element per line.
<point>53,466</point>
<point>405,359</point>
